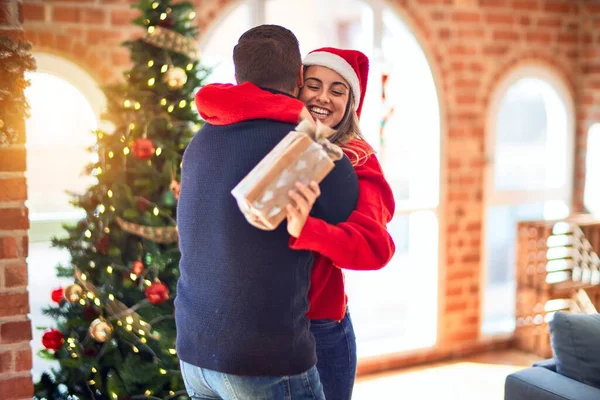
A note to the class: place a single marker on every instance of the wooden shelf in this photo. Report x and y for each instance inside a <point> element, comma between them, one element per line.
<point>544,288</point>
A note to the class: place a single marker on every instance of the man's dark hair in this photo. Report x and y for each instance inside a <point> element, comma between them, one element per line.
<point>268,56</point>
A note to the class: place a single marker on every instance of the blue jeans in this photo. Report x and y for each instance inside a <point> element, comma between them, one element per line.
<point>206,384</point>
<point>336,356</point>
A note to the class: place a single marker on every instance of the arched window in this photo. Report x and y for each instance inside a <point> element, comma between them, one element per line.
<point>591,198</point>
<point>65,107</point>
<point>528,176</point>
<point>382,303</point>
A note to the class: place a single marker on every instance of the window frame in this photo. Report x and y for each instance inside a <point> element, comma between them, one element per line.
<point>503,197</point>
<point>493,197</point>
<point>593,131</point>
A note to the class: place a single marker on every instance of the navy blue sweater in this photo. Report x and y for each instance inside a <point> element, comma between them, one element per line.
<point>242,296</point>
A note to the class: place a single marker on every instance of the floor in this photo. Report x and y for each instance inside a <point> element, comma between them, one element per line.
<point>474,378</point>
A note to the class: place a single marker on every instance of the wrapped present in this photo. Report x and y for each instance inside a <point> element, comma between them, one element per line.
<point>303,155</point>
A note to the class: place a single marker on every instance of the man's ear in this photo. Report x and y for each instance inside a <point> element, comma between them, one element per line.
<point>300,81</point>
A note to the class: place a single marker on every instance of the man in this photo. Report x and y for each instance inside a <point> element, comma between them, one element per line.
<point>241,303</point>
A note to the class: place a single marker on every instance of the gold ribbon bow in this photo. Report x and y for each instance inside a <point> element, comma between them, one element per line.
<point>320,133</point>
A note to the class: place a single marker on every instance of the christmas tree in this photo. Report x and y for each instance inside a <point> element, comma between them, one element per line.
<point>115,330</point>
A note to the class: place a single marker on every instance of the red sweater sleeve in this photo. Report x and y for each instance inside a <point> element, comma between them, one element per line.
<point>362,242</point>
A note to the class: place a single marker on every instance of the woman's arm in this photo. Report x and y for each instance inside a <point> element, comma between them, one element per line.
<point>362,242</point>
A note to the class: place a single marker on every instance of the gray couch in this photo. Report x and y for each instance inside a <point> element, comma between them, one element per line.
<point>573,373</point>
<point>542,382</point>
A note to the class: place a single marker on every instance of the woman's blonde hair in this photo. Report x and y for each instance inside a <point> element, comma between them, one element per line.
<point>349,136</point>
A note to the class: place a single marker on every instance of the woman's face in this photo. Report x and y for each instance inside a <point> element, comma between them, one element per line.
<point>325,93</point>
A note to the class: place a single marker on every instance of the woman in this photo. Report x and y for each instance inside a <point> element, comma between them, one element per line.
<point>335,82</point>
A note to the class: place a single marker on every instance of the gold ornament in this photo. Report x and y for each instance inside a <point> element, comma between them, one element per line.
<point>175,77</point>
<point>175,187</point>
<point>1,124</point>
<point>101,330</point>
<point>73,293</point>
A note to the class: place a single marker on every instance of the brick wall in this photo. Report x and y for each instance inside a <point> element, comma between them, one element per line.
<point>474,44</point>
<point>471,45</point>
<point>15,327</point>
<point>89,32</point>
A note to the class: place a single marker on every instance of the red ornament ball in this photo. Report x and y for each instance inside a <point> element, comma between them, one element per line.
<point>53,339</point>
<point>157,293</point>
<point>58,295</point>
<point>137,267</point>
<point>143,149</point>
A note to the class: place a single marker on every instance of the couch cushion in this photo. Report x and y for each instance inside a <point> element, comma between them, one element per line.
<point>576,346</point>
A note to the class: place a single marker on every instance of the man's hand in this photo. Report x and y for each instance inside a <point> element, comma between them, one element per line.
<point>303,200</point>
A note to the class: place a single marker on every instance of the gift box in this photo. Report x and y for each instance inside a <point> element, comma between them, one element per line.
<point>303,155</point>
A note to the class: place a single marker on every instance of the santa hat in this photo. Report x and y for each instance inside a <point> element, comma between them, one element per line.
<point>352,65</point>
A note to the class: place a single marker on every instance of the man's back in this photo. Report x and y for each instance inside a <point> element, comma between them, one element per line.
<point>242,295</point>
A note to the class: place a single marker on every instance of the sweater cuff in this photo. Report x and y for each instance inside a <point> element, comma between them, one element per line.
<point>311,237</point>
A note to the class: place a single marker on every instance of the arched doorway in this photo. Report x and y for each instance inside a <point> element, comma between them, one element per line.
<point>65,107</point>
<point>529,176</point>
<point>404,128</point>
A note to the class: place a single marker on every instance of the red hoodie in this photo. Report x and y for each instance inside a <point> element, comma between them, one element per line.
<point>360,243</point>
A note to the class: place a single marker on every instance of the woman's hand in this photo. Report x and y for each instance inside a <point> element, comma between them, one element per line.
<point>305,114</point>
<point>303,200</point>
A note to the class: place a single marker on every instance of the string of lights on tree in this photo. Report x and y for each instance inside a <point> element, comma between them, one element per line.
<point>116,334</point>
